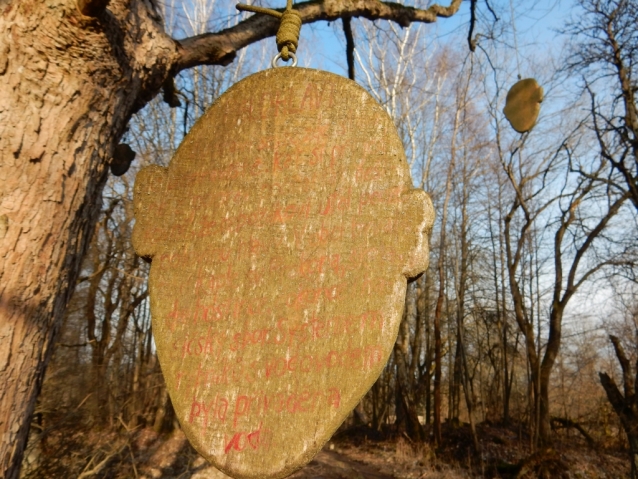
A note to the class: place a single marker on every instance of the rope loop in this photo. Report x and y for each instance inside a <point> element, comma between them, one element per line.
<point>288,34</point>
<point>289,27</point>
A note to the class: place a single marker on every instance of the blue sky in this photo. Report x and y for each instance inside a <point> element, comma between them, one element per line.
<point>536,24</point>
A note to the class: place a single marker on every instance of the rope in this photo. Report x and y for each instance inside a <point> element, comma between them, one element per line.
<point>518,61</point>
<point>288,33</point>
<point>289,27</point>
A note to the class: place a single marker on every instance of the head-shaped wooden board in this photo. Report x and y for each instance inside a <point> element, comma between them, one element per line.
<point>523,104</point>
<point>281,235</point>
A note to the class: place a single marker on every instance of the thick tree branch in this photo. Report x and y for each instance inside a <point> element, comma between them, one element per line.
<point>624,364</point>
<point>472,41</point>
<point>220,48</point>
<point>613,394</point>
<point>566,422</point>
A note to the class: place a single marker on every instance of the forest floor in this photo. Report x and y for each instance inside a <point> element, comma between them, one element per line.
<point>361,452</point>
<point>354,453</point>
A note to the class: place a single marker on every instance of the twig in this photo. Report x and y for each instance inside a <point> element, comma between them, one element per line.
<point>133,460</point>
<point>100,465</point>
<point>83,401</point>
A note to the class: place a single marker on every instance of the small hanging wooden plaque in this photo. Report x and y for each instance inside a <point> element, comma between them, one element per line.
<point>281,236</point>
<point>523,104</point>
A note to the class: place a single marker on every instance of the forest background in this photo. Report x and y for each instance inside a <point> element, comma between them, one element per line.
<point>533,262</point>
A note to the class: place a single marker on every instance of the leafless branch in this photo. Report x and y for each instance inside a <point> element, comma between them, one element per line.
<point>221,47</point>
<point>472,41</point>
<point>565,422</point>
<point>99,466</point>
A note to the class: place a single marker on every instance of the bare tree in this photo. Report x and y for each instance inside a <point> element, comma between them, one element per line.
<point>605,53</point>
<point>400,71</point>
<point>580,211</point>
<point>114,294</point>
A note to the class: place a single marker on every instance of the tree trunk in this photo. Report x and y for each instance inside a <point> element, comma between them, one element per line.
<point>547,364</point>
<point>455,384</point>
<point>165,415</point>
<point>633,453</point>
<point>544,418</point>
<point>438,310</point>
<point>625,405</point>
<point>407,419</point>
<point>437,361</point>
<point>68,86</point>
<point>420,368</point>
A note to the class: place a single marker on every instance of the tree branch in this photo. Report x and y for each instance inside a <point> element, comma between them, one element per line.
<point>565,422</point>
<point>472,41</point>
<point>613,394</point>
<point>98,467</point>
<point>570,288</point>
<point>347,31</point>
<point>220,48</point>
<point>624,364</point>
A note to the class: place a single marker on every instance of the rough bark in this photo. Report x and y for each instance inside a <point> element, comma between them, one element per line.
<point>69,83</point>
<point>68,86</point>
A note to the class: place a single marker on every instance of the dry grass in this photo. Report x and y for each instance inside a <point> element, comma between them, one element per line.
<point>353,454</point>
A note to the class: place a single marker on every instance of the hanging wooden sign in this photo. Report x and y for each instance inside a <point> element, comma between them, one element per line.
<point>281,237</point>
<point>523,104</point>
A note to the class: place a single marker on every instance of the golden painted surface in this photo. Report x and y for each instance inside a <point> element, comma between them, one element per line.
<point>523,104</point>
<point>281,235</point>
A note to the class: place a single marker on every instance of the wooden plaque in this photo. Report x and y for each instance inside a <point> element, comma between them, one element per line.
<point>523,104</point>
<point>281,236</point>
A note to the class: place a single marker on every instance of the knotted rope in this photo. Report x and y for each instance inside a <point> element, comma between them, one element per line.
<point>289,27</point>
